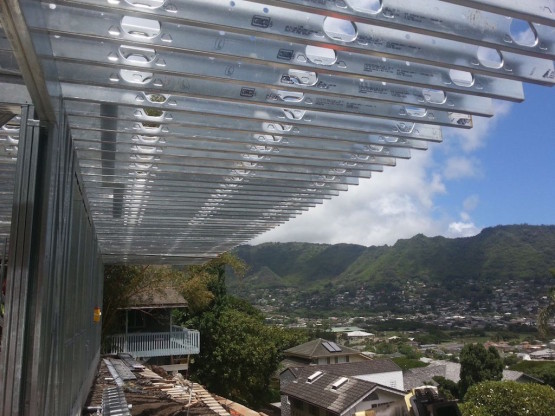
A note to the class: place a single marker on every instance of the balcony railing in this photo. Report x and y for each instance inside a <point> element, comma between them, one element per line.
<point>180,341</point>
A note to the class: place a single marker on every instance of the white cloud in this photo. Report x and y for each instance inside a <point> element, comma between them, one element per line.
<point>462,229</point>
<point>462,167</point>
<point>397,203</point>
<point>471,139</point>
<point>465,227</point>
<point>401,201</point>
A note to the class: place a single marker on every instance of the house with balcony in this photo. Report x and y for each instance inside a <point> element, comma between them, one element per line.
<point>149,334</point>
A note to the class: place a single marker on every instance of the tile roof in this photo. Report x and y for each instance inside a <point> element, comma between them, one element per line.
<point>315,349</point>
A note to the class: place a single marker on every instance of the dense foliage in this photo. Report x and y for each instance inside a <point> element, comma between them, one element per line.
<point>477,365</point>
<point>122,283</point>
<point>508,398</point>
<point>544,370</point>
<point>239,353</point>
<point>408,363</point>
<point>447,388</point>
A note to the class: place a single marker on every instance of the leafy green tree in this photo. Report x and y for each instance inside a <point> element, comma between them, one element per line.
<point>544,370</point>
<point>510,359</point>
<point>239,353</point>
<point>508,398</point>
<point>385,348</point>
<point>409,351</point>
<point>477,365</point>
<point>123,282</point>
<point>447,388</point>
<point>547,313</point>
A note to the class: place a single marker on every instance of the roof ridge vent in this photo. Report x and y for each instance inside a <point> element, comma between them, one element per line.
<point>339,383</point>
<point>313,376</point>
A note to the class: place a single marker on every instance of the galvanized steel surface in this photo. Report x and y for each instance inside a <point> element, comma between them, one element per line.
<point>50,344</point>
<point>199,124</point>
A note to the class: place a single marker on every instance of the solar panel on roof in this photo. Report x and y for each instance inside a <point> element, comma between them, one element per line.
<point>327,346</point>
<point>336,348</point>
<point>331,346</point>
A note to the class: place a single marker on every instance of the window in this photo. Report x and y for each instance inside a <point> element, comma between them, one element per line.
<point>328,360</point>
<point>347,359</point>
<point>336,360</point>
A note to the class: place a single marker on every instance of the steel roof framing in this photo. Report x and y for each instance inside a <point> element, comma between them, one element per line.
<point>199,124</point>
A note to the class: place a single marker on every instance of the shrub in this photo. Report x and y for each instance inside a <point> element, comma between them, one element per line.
<point>508,398</point>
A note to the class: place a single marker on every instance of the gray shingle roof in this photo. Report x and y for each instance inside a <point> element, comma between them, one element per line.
<point>512,375</point>
<point>360,367</point>
<point>320,393</point>
<point>315,349</point>
<point>416,377</point>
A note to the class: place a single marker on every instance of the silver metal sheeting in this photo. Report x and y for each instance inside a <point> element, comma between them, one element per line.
<point>199,124</point>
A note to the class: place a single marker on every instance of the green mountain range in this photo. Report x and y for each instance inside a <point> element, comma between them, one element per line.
<point>496,255</point>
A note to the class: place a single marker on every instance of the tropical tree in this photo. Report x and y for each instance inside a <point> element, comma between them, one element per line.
<point>447,388</point>
<point>477,365</point>
<point>239,353</point>
<point>508,398</point>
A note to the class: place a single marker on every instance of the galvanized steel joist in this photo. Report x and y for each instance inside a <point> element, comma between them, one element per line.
<point>217,120</point>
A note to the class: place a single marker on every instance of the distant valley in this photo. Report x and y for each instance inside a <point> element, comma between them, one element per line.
<point>502,270</point>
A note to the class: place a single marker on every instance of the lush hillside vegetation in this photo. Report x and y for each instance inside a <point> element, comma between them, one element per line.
<point>472,265</point>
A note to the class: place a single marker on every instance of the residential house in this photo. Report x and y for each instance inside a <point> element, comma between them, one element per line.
<point>381,371</point>
<point>313,392</point>
<point>345,329</point>
<point>359,336</point>
<point>320,351</point>
<point>502,347</point>
<point>545,354</point>
<point>148,331</point>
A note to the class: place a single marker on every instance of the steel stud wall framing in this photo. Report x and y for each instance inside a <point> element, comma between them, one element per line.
<point>50,345</point>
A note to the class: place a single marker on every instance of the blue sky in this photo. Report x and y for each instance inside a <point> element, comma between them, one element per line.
<point>500,172</point>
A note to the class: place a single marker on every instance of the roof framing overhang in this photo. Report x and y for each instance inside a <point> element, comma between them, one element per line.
<point>199,124</point>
